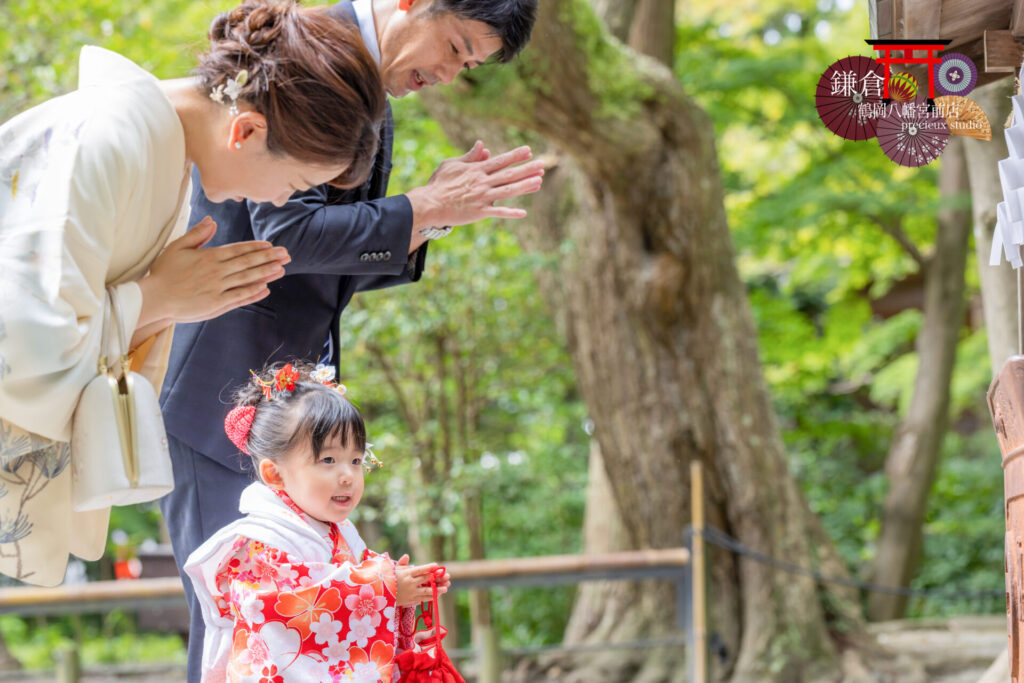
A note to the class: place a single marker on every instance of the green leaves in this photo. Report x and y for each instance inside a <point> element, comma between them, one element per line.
<point>45,38</point>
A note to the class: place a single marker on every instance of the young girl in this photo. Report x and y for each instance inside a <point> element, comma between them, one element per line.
<point>290,592</point>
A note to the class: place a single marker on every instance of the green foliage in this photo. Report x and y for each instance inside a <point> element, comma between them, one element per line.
<point>964,528</point>
<point>109,639</point>
<point>807,211</point>
<point>43,40</point>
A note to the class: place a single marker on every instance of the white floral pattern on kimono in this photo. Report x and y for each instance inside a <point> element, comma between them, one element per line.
<point>92,187</point>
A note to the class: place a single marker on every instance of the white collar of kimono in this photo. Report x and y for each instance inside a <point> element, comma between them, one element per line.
<point>259,502</point>
<point>97,66</point>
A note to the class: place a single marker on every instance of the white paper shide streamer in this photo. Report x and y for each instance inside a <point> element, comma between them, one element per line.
<point>1009,233</point>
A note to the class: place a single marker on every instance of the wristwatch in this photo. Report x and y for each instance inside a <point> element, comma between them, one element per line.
<point>433,233</point>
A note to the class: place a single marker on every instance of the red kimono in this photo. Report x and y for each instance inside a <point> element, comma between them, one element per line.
<point>318,609</point>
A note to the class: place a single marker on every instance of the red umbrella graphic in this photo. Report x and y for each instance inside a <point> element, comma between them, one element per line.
<point>912,133</point>
<point>844,90</point>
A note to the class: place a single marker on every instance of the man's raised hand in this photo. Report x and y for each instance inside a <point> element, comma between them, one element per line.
<point>464,189</point>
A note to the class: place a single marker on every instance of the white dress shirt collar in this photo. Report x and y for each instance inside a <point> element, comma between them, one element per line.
<point>364,15</point>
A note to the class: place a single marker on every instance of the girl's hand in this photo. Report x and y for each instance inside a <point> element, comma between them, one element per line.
<point>444,582</point>
<point>413,586</point>
<point>187,283</point>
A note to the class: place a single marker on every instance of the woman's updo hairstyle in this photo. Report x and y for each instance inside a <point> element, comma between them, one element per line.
<point>311,411</point>
<point>309,75</point>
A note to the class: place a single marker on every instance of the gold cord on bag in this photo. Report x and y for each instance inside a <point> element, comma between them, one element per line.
<point>127,396</point>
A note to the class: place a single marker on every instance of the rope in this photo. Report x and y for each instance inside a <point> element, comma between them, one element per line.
<point>719,538</point>
<point>581,648</point>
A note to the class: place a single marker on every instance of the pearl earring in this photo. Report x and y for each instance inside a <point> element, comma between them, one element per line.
<point>238,145</point>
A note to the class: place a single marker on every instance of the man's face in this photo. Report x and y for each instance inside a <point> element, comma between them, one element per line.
<point>419,48</point>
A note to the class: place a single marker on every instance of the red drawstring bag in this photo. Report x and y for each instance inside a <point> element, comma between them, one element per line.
<point>419,667</point>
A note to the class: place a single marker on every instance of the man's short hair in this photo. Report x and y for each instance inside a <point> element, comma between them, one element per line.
<point>512,20</point>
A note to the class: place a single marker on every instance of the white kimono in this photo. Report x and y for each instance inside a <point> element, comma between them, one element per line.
<point>93,185</point>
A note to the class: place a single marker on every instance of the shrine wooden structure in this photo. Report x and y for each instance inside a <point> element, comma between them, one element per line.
<point>990,32</point>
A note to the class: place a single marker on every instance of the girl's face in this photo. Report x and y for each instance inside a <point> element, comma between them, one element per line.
<point>327,489</point>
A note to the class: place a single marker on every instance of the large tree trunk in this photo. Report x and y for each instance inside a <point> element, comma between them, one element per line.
<point>914,452</point>
<point>616,610</point>
<point>661,333</point>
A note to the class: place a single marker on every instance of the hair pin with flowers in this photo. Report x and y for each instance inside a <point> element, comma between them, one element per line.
<point>239,420</point>
<point>284,380</point>
<point>370,461</point>
<point>324,374</point>
<point>232,88</point>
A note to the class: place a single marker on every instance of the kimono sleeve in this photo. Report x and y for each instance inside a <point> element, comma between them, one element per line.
<point>63,176</point>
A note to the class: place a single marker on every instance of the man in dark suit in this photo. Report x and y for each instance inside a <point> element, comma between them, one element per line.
<point>340,242</point>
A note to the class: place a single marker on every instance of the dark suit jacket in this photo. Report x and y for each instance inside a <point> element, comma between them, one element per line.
<point>340,242</point>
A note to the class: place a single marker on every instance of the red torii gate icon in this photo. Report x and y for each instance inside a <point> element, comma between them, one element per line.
<point>908,46</point>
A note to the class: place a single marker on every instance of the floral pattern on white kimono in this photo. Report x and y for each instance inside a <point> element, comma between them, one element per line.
<point>93,184</point>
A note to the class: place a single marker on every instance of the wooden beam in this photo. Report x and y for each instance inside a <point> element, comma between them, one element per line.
<point>94,591</point>
<point>916,18</point>
<point>555,564</point>
<point>965,20</point>
<point>1003,53</point>
<point>1017,19</point>
<point>975,49</point>
<point>880,19</point>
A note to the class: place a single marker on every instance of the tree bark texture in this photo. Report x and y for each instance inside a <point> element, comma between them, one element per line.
<point>915,448</point>
<point>660,331</point>
<point>998,285</point>
<point>653,30</point>
<point>617,16</point>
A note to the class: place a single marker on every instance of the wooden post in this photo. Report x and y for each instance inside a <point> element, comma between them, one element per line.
<point>68,668</point>
<point>488,653</point>
<point>699,656</point>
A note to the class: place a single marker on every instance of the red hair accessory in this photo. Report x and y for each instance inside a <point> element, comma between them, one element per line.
<point>285,378</point>
<point>237,425</point>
